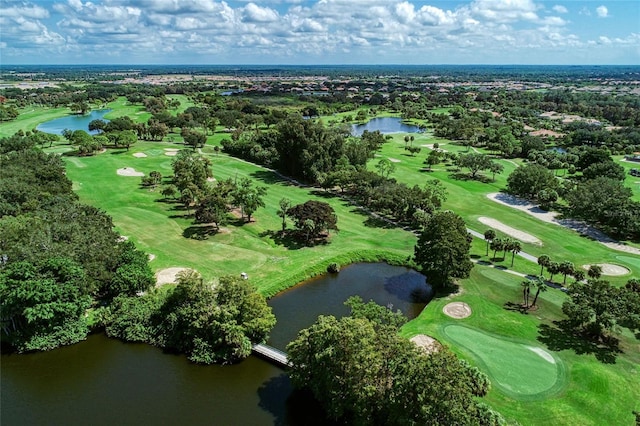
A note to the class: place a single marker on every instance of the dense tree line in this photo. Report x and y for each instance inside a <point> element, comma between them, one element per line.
<point>363,373</point>
<point>210,322</point>
<point>58,257</point>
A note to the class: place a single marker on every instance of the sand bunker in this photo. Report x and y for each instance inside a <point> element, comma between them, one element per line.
<point>430,146</point>
<point>151,257</point>
<point>427,343</point>
<point>168,276</point>
<point>139,155</point>
<point>610,269</point>
<point>129,171</point>
<point>573,224</point>
<point>512,232</point>
<point>457,310</point>
<point>394,160</point>
<point>171,153</point>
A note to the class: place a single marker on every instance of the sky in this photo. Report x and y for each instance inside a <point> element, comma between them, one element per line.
<point>319,32</point>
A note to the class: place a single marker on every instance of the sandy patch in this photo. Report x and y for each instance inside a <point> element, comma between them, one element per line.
<point>543,354</point>
<point>427,343</point>
<point>151,257</point>
<point>394,160</point>
<point>211,179</point>
<point>122,238</point>
<point>171,153</point>
<point>172,149</point>
<point>610,269</point>
<point>167,276</point>
<point>430,146</point>
<point>512,232</point>
<point>551,217</point>
<point>139,155</point>
<point>457,310</point>
<point>129,171</point>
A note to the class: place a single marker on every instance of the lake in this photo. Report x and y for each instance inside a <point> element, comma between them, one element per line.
<point>385,125</point>
<point>73,122</point>
<point>104,381</point>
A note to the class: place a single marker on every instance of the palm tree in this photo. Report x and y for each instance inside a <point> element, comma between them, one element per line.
<point>515,247</point>
<point>541,286</point>
<point>594,271</point>
<point>566,268</point>
<point>526,290</point>
<point>489,235</point>
<point>497,244</point>
<point>553,268</point>
<point>578,275</point>
<point>543,261</point>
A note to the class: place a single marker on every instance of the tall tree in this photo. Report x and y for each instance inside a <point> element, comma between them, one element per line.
<point>489,236</point>
<point>442,250</point>
<point>543,261</point>
<point>312,218</point>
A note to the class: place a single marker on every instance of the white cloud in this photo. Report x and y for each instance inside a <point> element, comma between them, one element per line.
<point>602,11</point>
<point>24,11</point>
<point>559,9</point>
<point>255,13</point>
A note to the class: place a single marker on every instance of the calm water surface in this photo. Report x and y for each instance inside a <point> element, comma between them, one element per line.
<point>73,122</point>
<point>105,382</point>
<point>385,125</point>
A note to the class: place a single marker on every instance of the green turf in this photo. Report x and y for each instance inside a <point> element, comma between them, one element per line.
<point>519,370</point>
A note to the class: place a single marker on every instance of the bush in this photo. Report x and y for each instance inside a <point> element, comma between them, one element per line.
<point>333,268</point>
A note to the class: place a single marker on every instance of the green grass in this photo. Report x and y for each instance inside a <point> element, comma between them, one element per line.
<point>588,391</point>
<point>517,369</point>
<point>159,227</point>
<point>30,118</point>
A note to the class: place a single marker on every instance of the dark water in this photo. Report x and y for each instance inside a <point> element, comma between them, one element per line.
<point>72,122</point>
<point>385,125</point>
<point>104,382</point>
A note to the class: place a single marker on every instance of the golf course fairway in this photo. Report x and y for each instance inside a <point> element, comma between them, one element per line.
<point>519,370</point>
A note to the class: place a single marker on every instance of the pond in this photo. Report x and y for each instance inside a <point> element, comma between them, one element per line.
<point>73,122</point>
<point>385,125</point>
<point>105,381</point>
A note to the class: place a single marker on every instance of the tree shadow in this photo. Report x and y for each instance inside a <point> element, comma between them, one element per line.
<point>200,232</point>
<point>322,194</point>
<point>561,336</point>
<point>286,239</point>
<point>376,222</point>
<point>269,177</point>
<point>467,177</point>
<point>409,287</point>
<point>290,406</point>
<point>516,307</point>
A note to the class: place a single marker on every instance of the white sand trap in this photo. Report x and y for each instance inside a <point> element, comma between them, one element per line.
<point>512,232</point>
<point>394,160</point>
<point>122,238</point>
<point>457,310</point>
<point>171,153</point>
<point>610,269</point>
<point>543,354</point>
<point>151,257</point>
<point>168,276</point>
<point>211,179</point>
<point>550,217</point>
<point>139,155</point>
<point>427,343</point>
<point>430,146</point>
<point>172,149</point>
<point>129,171</point>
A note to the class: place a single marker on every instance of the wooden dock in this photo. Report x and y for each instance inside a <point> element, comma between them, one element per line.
<point>272,354</point>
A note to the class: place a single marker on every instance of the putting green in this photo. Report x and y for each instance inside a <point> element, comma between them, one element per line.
<point>519,370</point>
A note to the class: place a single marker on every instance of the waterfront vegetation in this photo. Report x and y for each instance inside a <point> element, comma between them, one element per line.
<point>596,379</point>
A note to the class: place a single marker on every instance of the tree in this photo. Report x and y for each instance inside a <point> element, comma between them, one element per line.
<point>543,261</point>
<point>496,245</point>
<point>433,158</point>
<point>124,138</point>
<point>489,236</point>
<point>363,372</point>
<point>526,290</point>
<point>514,247</point>
<point>194,139</point>
<point>385,167</point>
<point>442,250</point>
<point>44,304</point>
<point>527,181</point>
<point>284,204</point>
<point>313,218</point>
<point>594,271</point>
<point>592,307</point>
<point>566,268</point>
<point>191,169</point>
<point>553,268</point>
<point>248,197</point>
<point>495,168</point>
<point>212,209</point>
<point>540,286</point>
<point>169,191</point>
<point>474,162</point>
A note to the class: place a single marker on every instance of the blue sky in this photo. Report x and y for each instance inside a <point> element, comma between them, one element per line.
<point>320,32</point>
